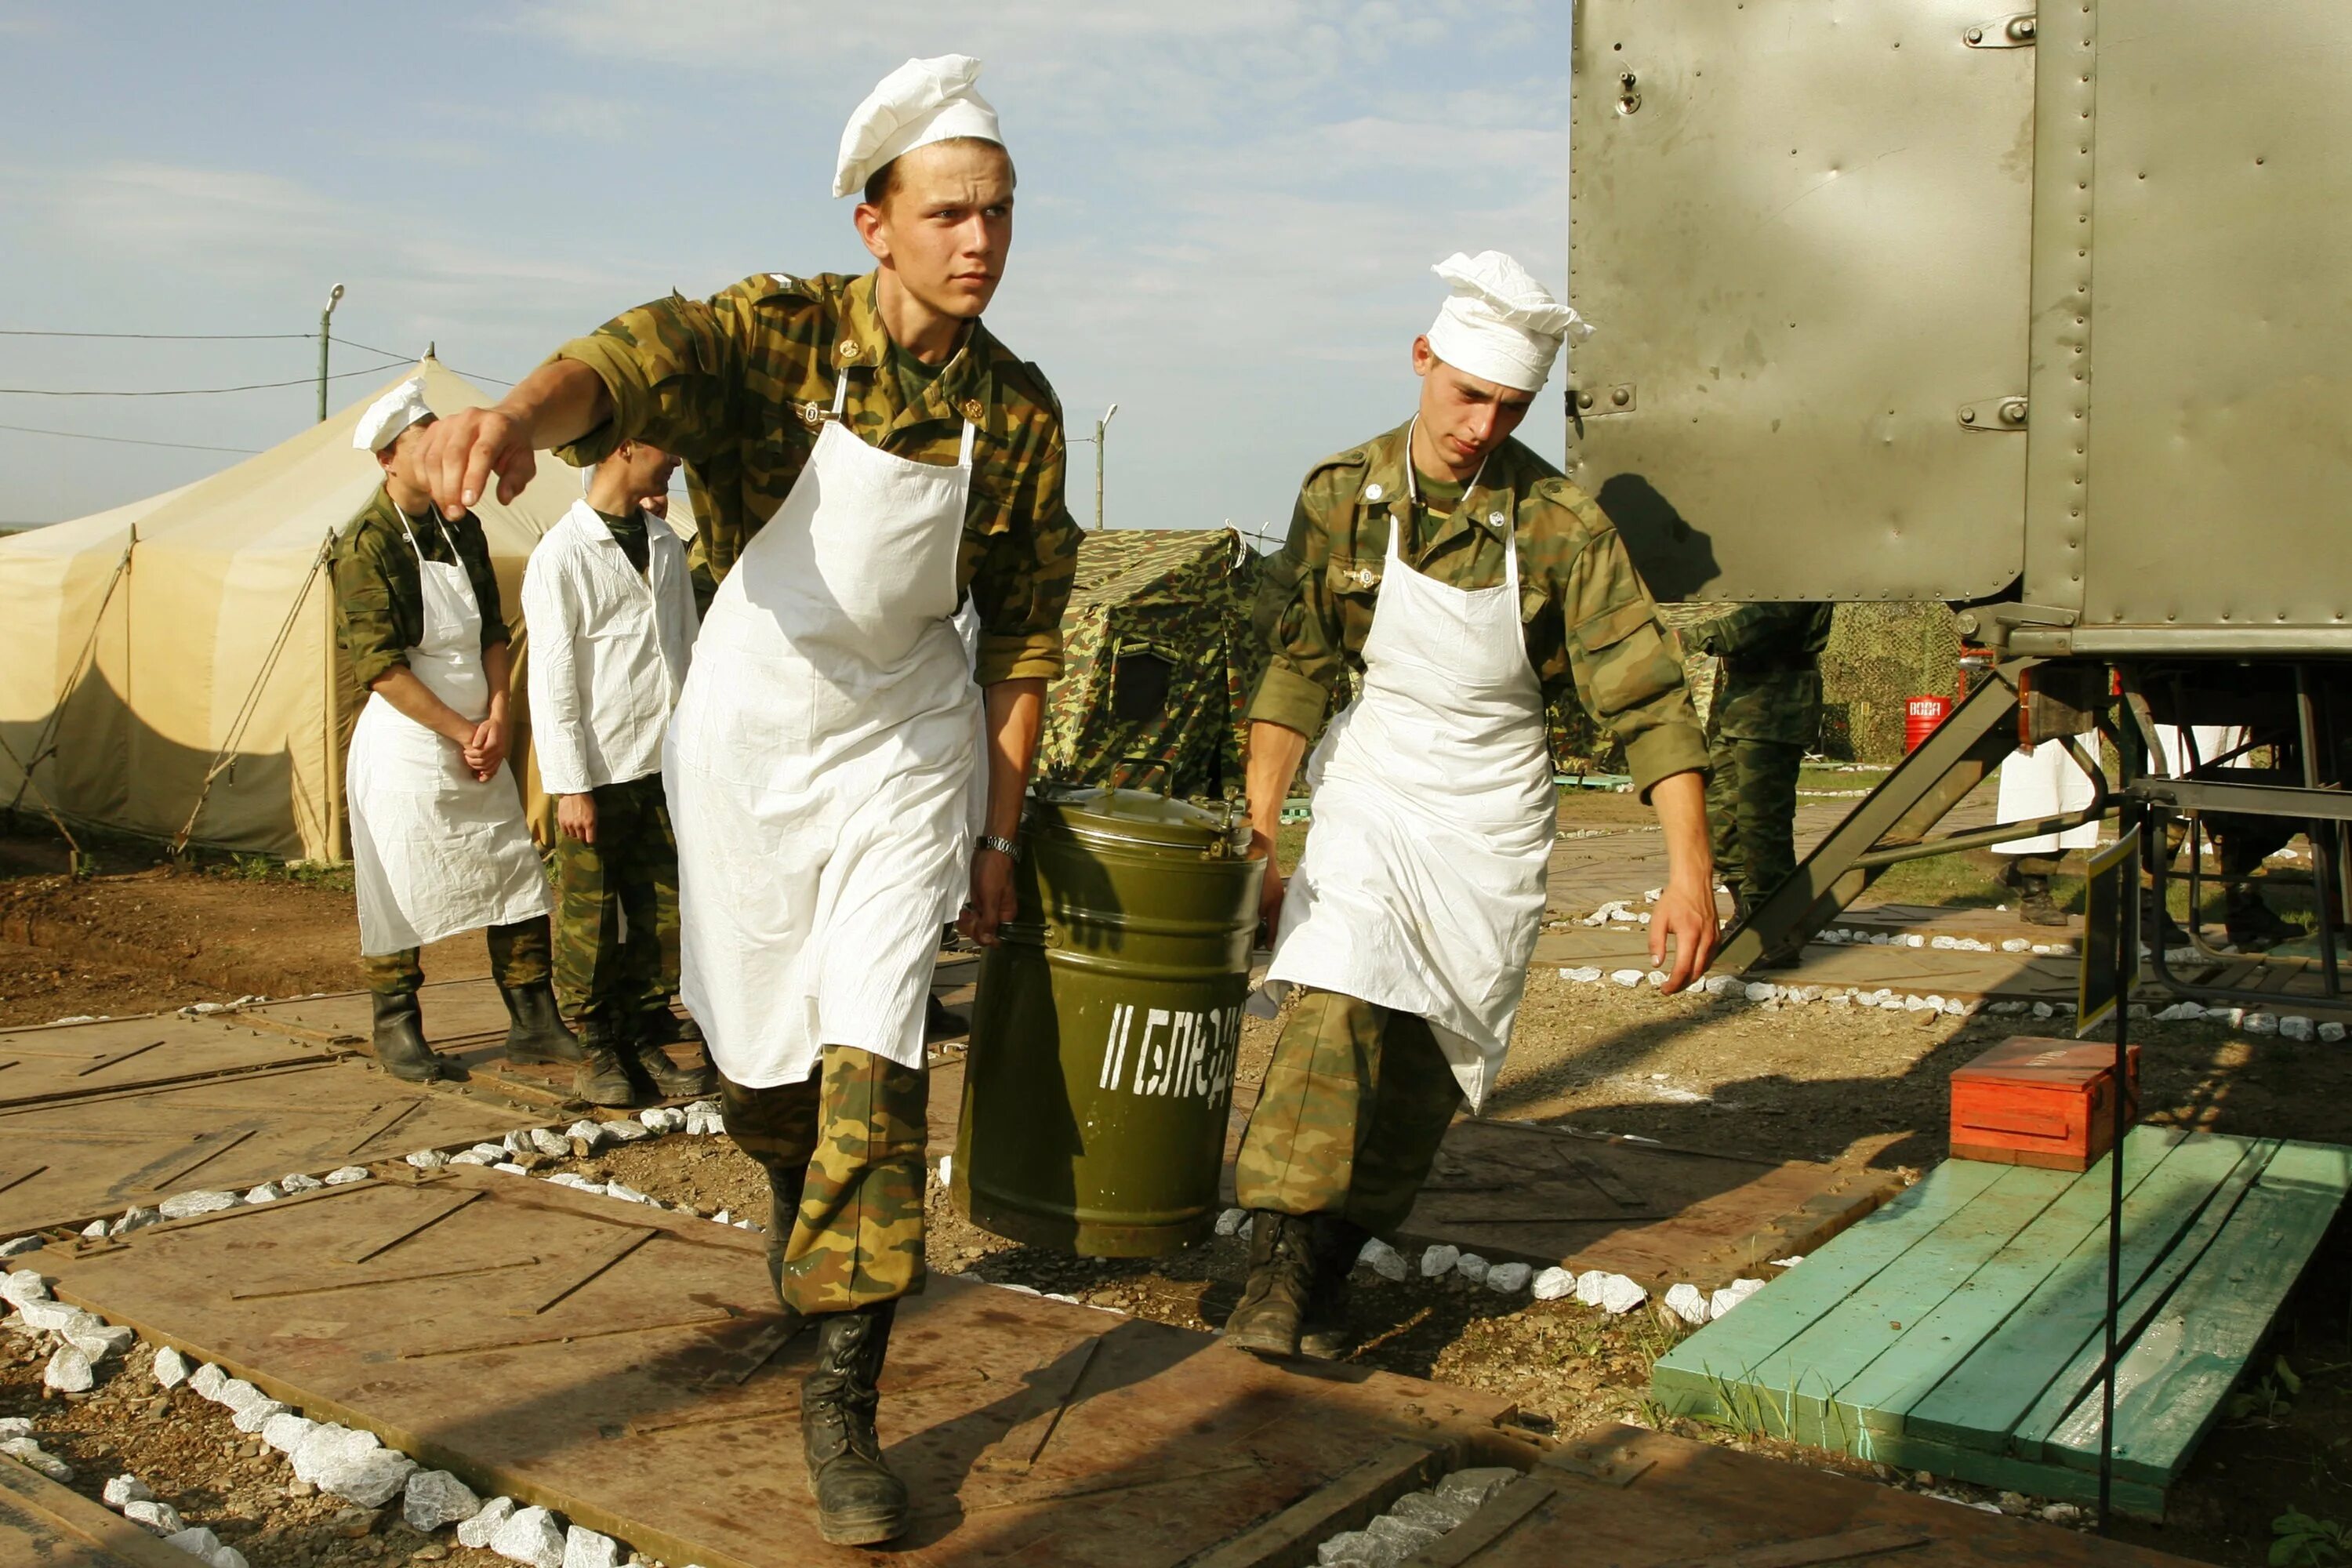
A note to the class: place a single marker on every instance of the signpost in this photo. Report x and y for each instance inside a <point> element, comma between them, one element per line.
<point>2103,990</point>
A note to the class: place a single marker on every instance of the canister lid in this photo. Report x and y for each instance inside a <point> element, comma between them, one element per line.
<point>1140,815</point>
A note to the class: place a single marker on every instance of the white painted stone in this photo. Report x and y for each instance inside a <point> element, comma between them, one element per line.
<point>170,1367</point>
<point>434,1498</point>
<point>701,1124</point>
<point>267,1192</point>
<point>722,1217</point>
<point>285,1430</point>
<point>531,1537</point>
<point>2044,1010</point>
<point>347,1175</point>
<point>16,1246</point>
<point>1688,1302</point>
<point>186,1205</point>
<point>2295,1026</point>
<point>56,1318</point>
<point>1730,1296</point>
<point>206,1381</point>
<point>433,1159</point>
<point>69,1371</point>
<point>475,1531</point>
<point>518,1141</point>
<point>120,1491</point>
<point>2260,1024</point>
<point>1473,1268</point>
<point>156,1518</point>
<point>1553,1284</point>
<point>1612,1293</point>
<point>548,1141</point>
<point>370,1478</point>
<point>947,1170</point>
<point>238,1394</point>
<point>626,1194</point>
<point>1438,1261</point>
<point>228,1557</point>
<point>508,1167</point>
<point>1626,977</point>
<point>16,1427</point>
<point>196,1541</point>
<point>662,1118</point>
<point>627,1130</point>
<point>294,1182</point>
<point>1656,977</point>
<point>1508,1279</point>
<point>27,1452</point>
<point>1230,1220</point>
<point>2332,1032</point>
<point>1383,1259</point>
<point>1583,974</point>
<point>591,1133</point>
<point>97,1344</point>
<point>254,1417</point>
<point>134,1219</point>
<point>472,1157</point>
<point>24,1285</point>
<point>486,1154</point>
<point>1789,1262</point>
<point>1759,991</point>
<point>575,1180</point>
<point>583,1548</point>
<point>705,1107</point>
<point>323,1443</point>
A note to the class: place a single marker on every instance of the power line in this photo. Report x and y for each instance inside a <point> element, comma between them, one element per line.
<point>184,391</point>
<point>123,440</point>
<point>410,359</point>
<point>161,337</point>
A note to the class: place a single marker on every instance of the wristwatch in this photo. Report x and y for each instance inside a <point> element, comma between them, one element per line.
<point>1010,846</point>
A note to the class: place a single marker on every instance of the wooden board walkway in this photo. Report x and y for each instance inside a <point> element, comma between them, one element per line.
<point>1619,1496</point>
<point>1958,1328</point>
<point>621,1365</point>
<point>45,1525</point>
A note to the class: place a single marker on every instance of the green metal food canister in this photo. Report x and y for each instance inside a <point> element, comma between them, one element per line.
<point>1100,1073</point>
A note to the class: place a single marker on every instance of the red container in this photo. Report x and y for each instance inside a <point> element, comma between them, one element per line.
<point>2030,1102</point>
<point>1920,717</point>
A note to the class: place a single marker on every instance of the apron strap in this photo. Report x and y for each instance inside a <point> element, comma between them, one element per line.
<point>964,459</point>
<point>840,394</point>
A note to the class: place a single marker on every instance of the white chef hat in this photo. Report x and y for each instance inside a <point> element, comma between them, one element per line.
<point>921,102</point>
<point>1500,324</point>
<point>388,416</point>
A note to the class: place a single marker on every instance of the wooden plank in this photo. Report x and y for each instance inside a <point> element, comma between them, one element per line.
<point>1839,1546</point>
<point>1729,1349</point>
<point>1909,1369</point>
<point>1495,1518</point>
<point>52,1525</point>
<point>1288,1539</point>
<point>1800,1389</point>
<point>2171,1384</point>
<point>2155,1257</point>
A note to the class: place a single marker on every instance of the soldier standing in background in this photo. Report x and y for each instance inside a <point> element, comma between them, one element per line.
<point>1460,580</point>
<point>871,454</point>
<point>1767,711</point>
<point>438,842</point>
<point>611,622</point>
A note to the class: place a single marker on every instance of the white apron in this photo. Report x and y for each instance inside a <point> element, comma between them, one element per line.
<point>435,851</point>
<point>820,768</point>
<point>2045,782</point>
<point>1422,885</point>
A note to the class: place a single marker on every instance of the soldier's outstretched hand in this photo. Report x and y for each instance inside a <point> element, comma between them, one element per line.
<point>1685,915</point>
<point>464,450</point>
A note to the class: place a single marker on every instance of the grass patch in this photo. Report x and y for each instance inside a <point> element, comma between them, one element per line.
<point>269,868</point>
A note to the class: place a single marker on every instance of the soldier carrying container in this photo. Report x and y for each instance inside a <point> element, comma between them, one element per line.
<point>1457,580</point>
<point>612,624</point>
<point>871,454</point>
<point>438,842</point>
<point>1767,711</point>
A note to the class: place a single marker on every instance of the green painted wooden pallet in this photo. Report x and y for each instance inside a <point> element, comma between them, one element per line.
<point>1958,1328</point>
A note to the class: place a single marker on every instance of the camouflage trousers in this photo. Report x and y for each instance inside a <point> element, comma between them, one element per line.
<point>851,1137</point>
<point>517,957</point>
<point>629,874</point>
<point>1355,1103</point>
<point>1752,811</point>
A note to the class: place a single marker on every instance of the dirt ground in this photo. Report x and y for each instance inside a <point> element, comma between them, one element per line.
<point>1813,1082</point>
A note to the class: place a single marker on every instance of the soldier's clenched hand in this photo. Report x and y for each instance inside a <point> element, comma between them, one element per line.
<point>575,815</point>
<point>463,451</point>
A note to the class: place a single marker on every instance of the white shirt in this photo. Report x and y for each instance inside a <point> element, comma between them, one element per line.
<point>608,650</point>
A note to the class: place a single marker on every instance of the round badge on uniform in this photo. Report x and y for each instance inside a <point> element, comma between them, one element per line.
<point>1372,492</point>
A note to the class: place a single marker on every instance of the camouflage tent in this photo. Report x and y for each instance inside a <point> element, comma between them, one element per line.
<point>1161,661</point>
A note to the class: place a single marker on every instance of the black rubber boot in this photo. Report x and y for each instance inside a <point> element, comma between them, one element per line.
<point>600,1079</point>
<point>2253,926</point>
<point>858,1502</point>
<point>1325,1330</point>
<point>1282,1270</point>
<point>535,1031</point>
<point>400,1048</point>
<point>651,1064</point>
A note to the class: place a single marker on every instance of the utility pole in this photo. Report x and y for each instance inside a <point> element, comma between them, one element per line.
<point>326,316</point>
<point>1101,425</point>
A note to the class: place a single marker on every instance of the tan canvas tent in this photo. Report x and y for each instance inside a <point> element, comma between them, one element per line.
<point>171,666</point>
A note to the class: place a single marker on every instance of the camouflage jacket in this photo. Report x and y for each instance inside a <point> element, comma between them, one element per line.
<point>739,384</point>
<point>379,603</point>
<point>1591,625</point>
<point>1770,689</point>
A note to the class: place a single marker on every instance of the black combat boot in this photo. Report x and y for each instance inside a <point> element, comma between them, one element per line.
<point>2253,926</point>
<point>940,1022</point>
<point>400,1048</point>
<point>2158,929</point>
<point>658,1025</point>
<point>601,1079</point>
<point>650,1064</point>
<point>858,1502</point>
<point>1282,1271</point>
<point>2035,906</point>
<point>1325,1331</point>
<point>535,1031</point>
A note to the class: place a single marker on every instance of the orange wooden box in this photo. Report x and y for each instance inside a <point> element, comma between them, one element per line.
<point>2030,1102</point>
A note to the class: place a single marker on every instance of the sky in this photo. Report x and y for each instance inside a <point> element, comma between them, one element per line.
<point>1226,215</point>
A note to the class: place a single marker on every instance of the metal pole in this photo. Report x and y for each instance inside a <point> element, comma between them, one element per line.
<point>325,317</point>
<point>1101,425</point>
